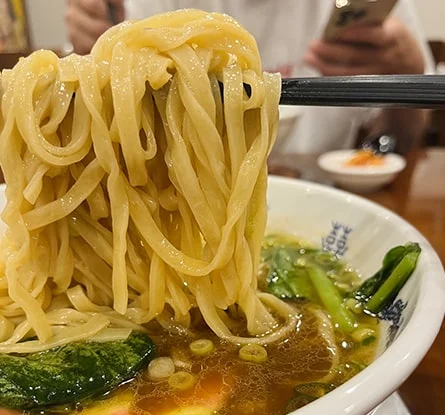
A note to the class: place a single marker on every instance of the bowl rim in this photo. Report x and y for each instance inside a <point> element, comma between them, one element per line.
<point>403,355</point>
<point>328,162</point>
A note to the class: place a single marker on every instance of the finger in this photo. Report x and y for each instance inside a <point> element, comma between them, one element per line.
<point>374,35</point>
<point>344,52</point>
<point>340,69</point>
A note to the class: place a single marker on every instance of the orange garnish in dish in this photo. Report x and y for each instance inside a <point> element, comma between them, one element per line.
<point>365,158</point>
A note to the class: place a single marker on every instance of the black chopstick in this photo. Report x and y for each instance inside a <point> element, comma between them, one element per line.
<point>402,91</point>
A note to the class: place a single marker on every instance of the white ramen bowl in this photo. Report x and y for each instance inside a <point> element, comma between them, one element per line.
<point>363,232</point>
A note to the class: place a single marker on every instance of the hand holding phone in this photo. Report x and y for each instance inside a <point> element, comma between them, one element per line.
<point>347,13</point>
<point>388,48</point>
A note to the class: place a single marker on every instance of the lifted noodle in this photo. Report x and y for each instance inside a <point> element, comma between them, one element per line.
<point>133,185</point>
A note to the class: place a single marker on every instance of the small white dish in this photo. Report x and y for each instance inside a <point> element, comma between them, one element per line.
<point>360,179</point>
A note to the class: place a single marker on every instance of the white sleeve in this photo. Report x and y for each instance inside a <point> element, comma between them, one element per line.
<point>406,12</point>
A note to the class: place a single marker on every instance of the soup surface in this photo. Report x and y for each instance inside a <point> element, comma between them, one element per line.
<point>315,358</point>
<point>226,383</point>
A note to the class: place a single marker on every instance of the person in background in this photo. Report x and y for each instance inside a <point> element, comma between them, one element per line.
<point>289,36</point>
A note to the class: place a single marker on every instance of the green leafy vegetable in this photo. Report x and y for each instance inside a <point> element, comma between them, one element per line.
<point>295,272</point>
<point>72,373</point>
<point>288,280</point>
<point>381,289</point>
<point>331,299</point>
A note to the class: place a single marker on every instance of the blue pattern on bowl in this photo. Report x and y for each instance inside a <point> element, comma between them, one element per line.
<point>337,239</point>
<point>394,315</point>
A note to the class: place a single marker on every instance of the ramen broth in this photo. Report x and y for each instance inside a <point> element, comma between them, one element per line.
<point>227,384</point>
<point>316,357</point>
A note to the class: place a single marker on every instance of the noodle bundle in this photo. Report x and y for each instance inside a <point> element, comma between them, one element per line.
<point>136,185</point>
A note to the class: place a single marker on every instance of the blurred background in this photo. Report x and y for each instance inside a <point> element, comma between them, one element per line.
<point>41,24</point>
<point>43,12</point>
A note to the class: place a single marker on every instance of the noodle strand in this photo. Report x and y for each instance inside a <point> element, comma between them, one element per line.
<point>136,187</point>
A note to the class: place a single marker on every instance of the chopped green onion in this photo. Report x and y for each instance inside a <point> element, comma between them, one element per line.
<point>202,347</point>
<point>161,368</point>
<point>253,353</point>
<point>181,380</point>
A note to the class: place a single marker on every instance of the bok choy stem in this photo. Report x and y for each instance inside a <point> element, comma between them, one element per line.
<point>331,299</point>
<point>393,284</point>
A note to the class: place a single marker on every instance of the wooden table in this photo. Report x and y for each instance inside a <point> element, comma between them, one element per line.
<point>418,195</point>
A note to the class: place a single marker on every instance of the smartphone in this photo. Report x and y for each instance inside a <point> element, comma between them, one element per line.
<point>346,13</point>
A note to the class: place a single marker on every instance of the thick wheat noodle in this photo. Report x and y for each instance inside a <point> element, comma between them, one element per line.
<point>136,189</point>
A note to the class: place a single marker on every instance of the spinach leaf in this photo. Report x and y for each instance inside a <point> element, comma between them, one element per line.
<point>286,279</point>
<point>72,373</point>
<point>382,288</point>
